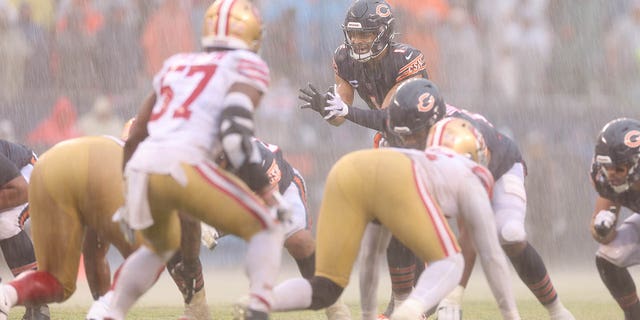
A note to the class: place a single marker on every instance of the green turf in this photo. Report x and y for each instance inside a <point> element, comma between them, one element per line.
<point>473,310</point>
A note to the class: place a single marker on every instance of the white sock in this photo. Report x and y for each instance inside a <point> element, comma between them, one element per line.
<point>264,253</point>
<point>293,294</point>
<point>139,272</point>
<point>10,294</point>
<point>555,306</point>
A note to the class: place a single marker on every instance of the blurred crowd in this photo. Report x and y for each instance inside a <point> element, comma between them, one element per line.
<point>548,72</point>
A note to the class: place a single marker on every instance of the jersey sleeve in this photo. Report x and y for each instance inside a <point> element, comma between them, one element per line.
<point>341,67</point>
<point>251,69</point>
<point>8,170</point>
<point>410,62</point>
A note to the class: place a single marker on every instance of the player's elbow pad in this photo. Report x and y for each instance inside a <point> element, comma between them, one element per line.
<point>236,132</point>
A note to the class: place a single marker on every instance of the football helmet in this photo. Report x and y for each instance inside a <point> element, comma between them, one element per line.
<point>461,136</point>
<point>368,28</point>
<point>234,24</point>
<point>618,145</point>
<point>415,107</point>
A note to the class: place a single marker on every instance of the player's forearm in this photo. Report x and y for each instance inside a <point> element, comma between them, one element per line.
<point>13,195</point>
<point>372,119</point>
<point>190,241</point>
<point>495,265</point>
<point>374,245</point>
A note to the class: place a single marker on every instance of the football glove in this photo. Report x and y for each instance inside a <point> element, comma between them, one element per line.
<point>188,278</point>
<point>337,107</point>
<point>210,236</point>
<point>315,100</point>
<point>604,222</point>
<point>450,308</point>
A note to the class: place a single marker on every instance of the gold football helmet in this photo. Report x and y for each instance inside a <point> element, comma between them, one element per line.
<point>232,24</point>
<point>461,136</point>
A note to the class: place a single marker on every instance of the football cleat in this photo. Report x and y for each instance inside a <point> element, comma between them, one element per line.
<point>99,307</point>
<point>338,311</point>
<point>36,313</point>
<point>242,312</point>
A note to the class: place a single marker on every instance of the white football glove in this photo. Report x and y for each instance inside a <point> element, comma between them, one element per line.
<point>450,308</point>
<point>605,220</point>
<point>337,107</point>
<point>209,237</point>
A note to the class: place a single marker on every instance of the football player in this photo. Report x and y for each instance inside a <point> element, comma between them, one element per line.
<point>508,202</point>
<point>299,240</point>
<point>61,217</point>
<point>16,164</point>
<point>509,206</point>
<point>203,103</point>
<point>615,173</point>
<point>372,64</point>
<point>408,122</point>
<point>410,202</point>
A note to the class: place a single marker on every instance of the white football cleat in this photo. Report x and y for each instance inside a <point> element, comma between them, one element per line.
<point>410,309</point>
<point>100,307</point>
<point>338,311</point>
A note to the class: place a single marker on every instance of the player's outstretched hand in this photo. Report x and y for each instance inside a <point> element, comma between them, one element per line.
<point>315,100</point>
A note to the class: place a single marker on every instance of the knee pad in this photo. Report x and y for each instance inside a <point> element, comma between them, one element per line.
<point>325,292</point>
<point>512,232</point>
<point>616,256</point>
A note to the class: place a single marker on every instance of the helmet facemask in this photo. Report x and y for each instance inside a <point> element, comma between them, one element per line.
<point>632,168</point>
<point>355,40</point>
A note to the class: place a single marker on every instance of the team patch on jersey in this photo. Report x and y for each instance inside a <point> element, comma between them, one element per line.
<point>416,65</point>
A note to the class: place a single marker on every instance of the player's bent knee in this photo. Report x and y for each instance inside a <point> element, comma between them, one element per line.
<point>513,232</point>
<point>617,256</point>
<point>325,292</point>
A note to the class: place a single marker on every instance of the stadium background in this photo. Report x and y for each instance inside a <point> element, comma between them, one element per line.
<point>549,73</point>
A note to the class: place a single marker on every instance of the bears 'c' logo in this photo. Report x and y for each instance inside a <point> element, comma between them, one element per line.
<point>632,139</point>
<point>426,102</point>
<point>383,10</point>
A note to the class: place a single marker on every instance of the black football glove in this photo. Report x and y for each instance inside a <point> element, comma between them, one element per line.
<point>315,100</point>
<point>188,278</point>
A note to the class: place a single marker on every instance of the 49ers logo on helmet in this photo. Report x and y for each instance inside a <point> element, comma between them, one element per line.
<point>426,102</point>
<point>383,10</point>
<point>632,139</point>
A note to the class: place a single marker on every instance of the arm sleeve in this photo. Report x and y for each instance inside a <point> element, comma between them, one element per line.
<point>372,119</point>
<point>8,170</point>
<point>478,215</point>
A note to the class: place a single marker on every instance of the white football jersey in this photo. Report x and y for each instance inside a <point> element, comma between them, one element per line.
<point>190,90</point>
<point>445,173</point>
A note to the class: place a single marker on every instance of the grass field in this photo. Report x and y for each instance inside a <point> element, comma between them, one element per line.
<point>581,291</point>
